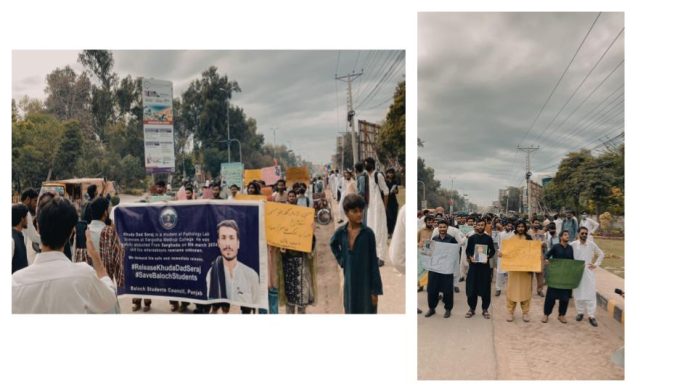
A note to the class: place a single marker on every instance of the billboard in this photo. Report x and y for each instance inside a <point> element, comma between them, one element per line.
<point>158,126</point>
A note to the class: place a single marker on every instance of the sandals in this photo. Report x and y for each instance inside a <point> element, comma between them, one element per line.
<point>469,314</point>
<point>486,315</point>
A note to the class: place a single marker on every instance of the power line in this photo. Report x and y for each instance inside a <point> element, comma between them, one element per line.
<point>388,58</point>
<point>583,81</point>
<point>591,114</point>
<point>590,94</point>
<point>558,82</point>
<point>387,75</point>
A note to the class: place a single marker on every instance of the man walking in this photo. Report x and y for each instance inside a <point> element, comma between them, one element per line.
<point>585,294</point>
<point>376,214</point>
<point>19,248</point>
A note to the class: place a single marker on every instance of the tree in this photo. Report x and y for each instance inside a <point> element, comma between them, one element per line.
<point>391,139</point>
<point>30,106</point>
<point>33,149</point>
<point>99,64</point>
<point>15,112</point>
<point>585,182</point>
<point>67,94</point>
<point>69,152</point>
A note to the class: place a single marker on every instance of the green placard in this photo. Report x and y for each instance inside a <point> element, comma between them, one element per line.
<point>564,273</point>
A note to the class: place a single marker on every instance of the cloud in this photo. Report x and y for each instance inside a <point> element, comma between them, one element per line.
<point>292,91</point>
<point>483,78</point>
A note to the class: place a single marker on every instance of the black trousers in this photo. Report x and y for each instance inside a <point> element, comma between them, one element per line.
<point>440,283</point>
<point>478,284</point>
<point>553,294</point>
<point>139,301</point>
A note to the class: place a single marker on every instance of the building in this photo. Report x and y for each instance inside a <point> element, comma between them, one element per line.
<point>368,138</point>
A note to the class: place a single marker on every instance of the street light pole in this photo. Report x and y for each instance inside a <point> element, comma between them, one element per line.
<point>423,202</point>
<point>239,144</point>
<point>227,109</point>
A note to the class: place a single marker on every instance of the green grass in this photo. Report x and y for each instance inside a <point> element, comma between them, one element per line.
<point>613,255</point>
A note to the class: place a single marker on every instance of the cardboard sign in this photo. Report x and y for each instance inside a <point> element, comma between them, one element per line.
<point>289,226</point>
<point>444,258</point>
<point>270,175</point>
<point>565,273</point>
<point>521,255</point>
<point>232,173</point>
<point>297,174</point>
<point>251,175</point>
<point>241,196</point>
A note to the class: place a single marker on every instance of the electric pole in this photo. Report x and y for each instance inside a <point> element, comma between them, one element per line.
<point>529,150</point>
<point>349,78</point>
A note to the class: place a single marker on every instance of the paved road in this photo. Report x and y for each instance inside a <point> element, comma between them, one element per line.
<point>476,348</point>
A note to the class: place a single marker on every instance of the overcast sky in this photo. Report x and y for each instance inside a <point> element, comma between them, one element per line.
<point>292,91</point>
<point>484,77</point>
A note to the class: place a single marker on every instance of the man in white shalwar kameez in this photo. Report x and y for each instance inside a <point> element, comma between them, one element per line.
<point>591,224</point>
<point>376,212</point>
<point>585,294</point>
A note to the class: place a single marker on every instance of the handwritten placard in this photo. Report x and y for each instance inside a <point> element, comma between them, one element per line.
<point>297,174</point>
<point>270,175</point>
<point>241,196</point>
<point>444,258</point>
<point>251,175</point>
<point>521,255</point>
<point>289,226</point>
<point>232,173</point>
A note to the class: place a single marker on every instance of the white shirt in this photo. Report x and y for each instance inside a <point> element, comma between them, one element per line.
<point>54,284</point>
<point>397,247</point>
<point>587,251</point>
<point>94,229</point>
<point>30,235</point>
<point>591,224</point>
<point>242,284</point>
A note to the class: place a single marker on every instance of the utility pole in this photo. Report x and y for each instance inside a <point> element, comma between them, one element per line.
<point>529,150</point>
<point>349,78</point>
<point>274,142</point>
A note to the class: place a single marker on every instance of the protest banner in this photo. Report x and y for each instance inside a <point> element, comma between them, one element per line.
<point>232,174</point>
<point>175,251</point>
<point>564,273</point>
<point>521,255</point>
<point>241,196</point>
<point>251,175</point>
<point>297,174</point>
<point>465,229</point>
<point>270,175</point>
<point>444,258</point>
<point>158,126</point>
<point>289,226</point>
<point>155,198</point>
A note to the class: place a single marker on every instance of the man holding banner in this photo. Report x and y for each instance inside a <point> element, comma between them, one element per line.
<point>563,250</point>
<point>440,266</point>
<point>519,287</point>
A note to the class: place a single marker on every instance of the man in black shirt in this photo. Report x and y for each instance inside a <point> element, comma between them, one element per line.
<point>438,282</point>
<point>479,249</point>
<point>562,250</point>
